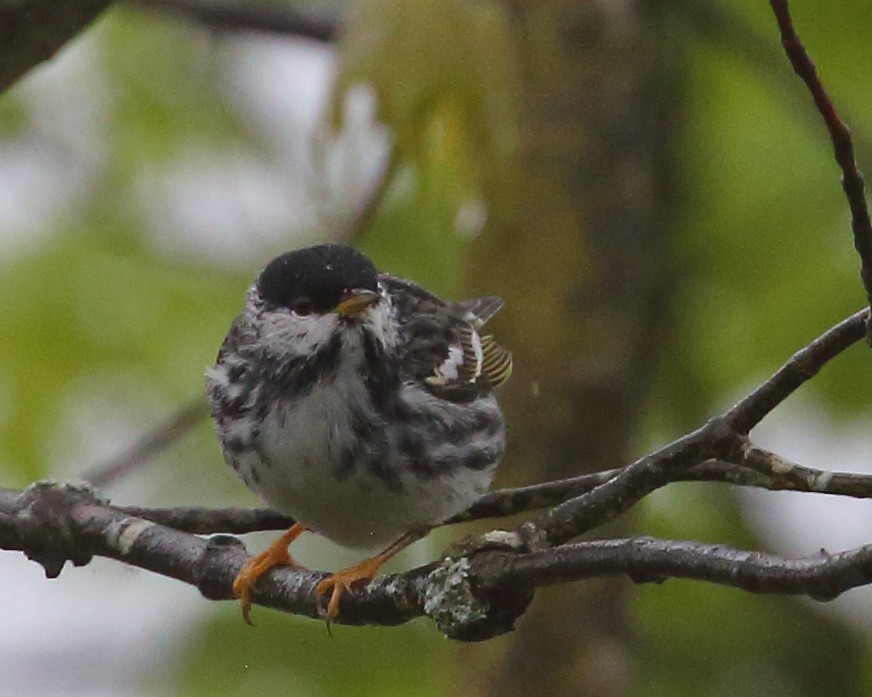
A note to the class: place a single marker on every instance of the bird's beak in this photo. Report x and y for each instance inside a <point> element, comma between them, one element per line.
<point>354,302</point>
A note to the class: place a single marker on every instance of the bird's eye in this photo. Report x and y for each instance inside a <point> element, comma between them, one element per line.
<point>302,307</point>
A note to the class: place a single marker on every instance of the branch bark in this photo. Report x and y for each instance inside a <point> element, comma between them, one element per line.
<point>469,599</point>
<point>246,17</point>
<point>721,438</point>
<point>758,468</point>
<point>840,136</point>
<point>32,31</point>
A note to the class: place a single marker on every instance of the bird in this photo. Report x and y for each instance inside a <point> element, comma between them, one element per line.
<point>359,404</point>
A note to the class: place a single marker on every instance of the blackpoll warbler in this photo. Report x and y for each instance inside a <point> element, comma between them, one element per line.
<point>359,404</point>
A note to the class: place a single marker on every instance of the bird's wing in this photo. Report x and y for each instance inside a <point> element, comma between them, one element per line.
<point>480,310</point>
<point>442,347</point>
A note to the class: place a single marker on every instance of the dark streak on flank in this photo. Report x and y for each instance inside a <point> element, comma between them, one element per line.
<point>413,450</point>
<point>347,463</point>
<point>377,464</point>
<point>362,424</point>
<point>234,445</point>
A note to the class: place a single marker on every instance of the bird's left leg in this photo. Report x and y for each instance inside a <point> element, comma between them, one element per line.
<point>341,581</point>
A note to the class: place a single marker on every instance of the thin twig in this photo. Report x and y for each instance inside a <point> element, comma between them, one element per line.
<point>155,441</point>
<point>840,135</point>
<point>363,219</point>
<point>209,521</point>
<point>801,367</point>
<point>248,17</point>
<point>53,523</point>
<point>721,438</point>
<point>719,24</point>
<point>791,476</point>
<point>609,500</point>
<point>760,469</point>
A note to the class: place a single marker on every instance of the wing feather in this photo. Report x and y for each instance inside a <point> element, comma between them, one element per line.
<point>442,347</point>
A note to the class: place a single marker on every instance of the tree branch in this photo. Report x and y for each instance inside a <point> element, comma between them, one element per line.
<point>647,559</point>
<point>247,17</point>
<point>32,31</point>
<point>469,599</point>
<point>840,135</point>
<point>759,469</point>
<point>801,367</point>
<point>721,438</point>
<point>793,477</point>
<point>718,24</point>
<point>480,596</point>
<point>151,444</point>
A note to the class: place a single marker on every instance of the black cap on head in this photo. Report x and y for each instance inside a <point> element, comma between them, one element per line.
<point>316,275</point>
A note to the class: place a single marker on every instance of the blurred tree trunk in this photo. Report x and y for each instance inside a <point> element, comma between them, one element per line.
<point>576,246</point>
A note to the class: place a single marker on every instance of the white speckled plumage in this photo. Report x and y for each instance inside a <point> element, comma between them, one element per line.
<point>358,459</point>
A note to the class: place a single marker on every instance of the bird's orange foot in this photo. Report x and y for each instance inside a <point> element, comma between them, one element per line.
<point>341,582</point>
<point>254,567</point>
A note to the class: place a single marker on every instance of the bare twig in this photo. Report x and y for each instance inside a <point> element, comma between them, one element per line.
<point>791,476</point>
<point>840,135</point>
<point>55,523</point>
<point>248,17</point>
<point>721,438</point>
<point>614,497</point>
<point>362,221</point>
<point>33,31</point>
<point>149,445</point>
<point>209,521</point>
<point>719,24</point>
<point>760,469</point>
<point>801,367</point>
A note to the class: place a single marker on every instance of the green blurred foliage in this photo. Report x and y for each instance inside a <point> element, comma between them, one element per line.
<point>702,639</point>
<point>763,245</point>
<point>292,656</point>
<point>81,306</point>
<point>716,641</point>
<point>761,254</point>
<point>13,117</point>
<point>157,112</point>
<point>435,60</point>
<point>764,254</point>
<point>441,74</point>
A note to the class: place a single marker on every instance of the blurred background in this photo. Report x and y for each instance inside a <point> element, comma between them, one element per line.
<point>646,183</point>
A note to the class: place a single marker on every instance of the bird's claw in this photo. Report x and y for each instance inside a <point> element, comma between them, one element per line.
<point>255,567</point>
<point>242,592</point>
<point>335,585</point>
<point>342,581</point>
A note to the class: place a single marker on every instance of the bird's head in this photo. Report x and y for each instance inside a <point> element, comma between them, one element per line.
<point>308,295</point>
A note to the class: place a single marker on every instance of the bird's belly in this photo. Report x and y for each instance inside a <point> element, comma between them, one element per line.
<point>303,469</point>
<point>360,511</point>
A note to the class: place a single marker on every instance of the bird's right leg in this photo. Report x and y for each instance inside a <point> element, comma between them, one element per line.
<point>254,567</point>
